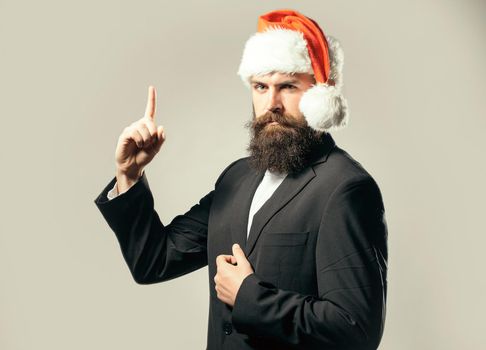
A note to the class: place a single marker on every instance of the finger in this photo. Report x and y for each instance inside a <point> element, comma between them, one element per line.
<point>144,131</point>
<point>230,259</point>
<point>151,103</point>
<point>239,254</point>
<point>136,137</point>
<point>160,138</point>
<point>221,259</point>
<point>151,127</point>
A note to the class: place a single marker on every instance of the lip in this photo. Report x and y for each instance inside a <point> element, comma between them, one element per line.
<point>273,123</point>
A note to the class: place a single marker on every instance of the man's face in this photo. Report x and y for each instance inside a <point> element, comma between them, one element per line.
<point>281,139</point>
<point>279,92</point>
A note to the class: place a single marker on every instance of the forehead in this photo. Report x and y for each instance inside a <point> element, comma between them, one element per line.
<point>278,78</point>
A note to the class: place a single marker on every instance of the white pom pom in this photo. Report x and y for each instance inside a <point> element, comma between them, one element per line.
<point>324,108</point>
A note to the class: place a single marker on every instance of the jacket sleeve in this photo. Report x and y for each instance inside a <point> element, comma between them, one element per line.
<point>155,252</point>
<point>350,255</point>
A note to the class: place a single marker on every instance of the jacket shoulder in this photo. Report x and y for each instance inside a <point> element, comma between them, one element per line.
<point>239,165</point>
<point>342,170</point>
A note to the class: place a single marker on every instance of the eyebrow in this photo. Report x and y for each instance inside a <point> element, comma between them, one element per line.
<point>286,82</point>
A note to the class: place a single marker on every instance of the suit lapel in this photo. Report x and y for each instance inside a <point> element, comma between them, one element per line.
<point>241,206</point>
<point>287,190</point>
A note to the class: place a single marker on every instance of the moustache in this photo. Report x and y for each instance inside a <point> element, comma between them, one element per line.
<point>284,119</point>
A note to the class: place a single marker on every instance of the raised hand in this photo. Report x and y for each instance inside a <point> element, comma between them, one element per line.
<point>137,145</point>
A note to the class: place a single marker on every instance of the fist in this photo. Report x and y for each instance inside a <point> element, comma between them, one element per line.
<point>139,142</point>
<point>231,271</point>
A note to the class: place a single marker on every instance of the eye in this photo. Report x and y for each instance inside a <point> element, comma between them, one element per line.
<point>258,87</point>
<point>289,86</point>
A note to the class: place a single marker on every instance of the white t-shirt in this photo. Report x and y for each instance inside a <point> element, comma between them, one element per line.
<point>267,186</point>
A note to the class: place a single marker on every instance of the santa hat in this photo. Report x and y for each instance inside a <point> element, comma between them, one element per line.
<point>289,42</point>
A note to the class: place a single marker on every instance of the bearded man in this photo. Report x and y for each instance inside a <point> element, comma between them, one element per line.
<point>294,236</point>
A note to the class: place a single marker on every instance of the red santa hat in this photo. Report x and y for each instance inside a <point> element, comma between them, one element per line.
<point>289,42</point>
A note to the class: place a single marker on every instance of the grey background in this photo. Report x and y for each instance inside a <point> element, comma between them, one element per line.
<point>74,74</point>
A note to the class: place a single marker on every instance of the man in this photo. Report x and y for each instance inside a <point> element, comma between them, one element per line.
<point>294,235</point>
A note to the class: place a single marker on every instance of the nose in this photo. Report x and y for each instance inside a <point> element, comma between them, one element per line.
<point>274,103</point>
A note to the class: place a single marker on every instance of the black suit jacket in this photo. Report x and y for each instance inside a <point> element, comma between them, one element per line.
<point>318,247</point>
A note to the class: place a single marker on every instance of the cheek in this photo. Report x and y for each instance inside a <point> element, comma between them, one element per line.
<point>258,104</point>
<point>292,103</point>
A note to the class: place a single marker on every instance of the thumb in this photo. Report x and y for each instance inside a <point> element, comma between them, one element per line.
<point>239,254</point>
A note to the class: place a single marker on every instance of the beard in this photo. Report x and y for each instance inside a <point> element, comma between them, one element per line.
<point>286,147</point>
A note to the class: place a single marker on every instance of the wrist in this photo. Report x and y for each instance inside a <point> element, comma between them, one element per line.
<point>125,180</point>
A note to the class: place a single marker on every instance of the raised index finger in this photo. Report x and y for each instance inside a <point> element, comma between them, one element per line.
<point>151,103</point>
